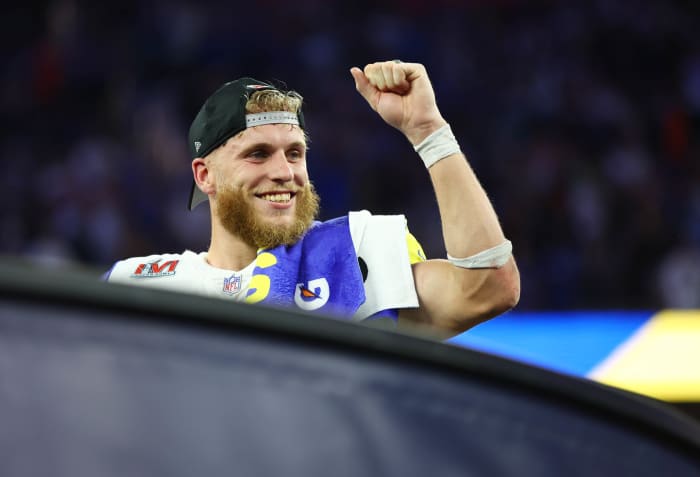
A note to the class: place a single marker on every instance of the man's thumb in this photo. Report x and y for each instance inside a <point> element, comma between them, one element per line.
<point>362,85</point>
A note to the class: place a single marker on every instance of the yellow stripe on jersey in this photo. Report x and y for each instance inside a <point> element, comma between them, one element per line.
<point>415,251</point>
<point>661,359</point>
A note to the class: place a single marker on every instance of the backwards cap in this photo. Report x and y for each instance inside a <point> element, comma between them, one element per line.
<point>223,116</point>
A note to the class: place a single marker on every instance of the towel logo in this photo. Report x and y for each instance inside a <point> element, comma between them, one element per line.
<point>312,295</point>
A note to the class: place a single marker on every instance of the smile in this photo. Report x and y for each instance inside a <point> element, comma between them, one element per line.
<point>278,197</point>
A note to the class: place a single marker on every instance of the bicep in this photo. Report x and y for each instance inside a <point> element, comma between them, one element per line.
<point>453,299</point>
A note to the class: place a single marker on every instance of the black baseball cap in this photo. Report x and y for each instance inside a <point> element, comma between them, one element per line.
<point>223,116</point>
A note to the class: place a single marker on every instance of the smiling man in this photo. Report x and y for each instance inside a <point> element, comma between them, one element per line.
<point>248,145</point>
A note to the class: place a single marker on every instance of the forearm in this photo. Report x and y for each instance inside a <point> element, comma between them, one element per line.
<point>469,222</point>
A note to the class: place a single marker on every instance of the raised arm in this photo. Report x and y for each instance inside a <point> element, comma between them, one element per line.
<point>480,280</point>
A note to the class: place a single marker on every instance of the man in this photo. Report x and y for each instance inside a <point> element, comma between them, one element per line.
<point>249,161</point>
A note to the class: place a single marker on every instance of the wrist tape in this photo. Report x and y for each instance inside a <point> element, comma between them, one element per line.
<point>494,257</point>
<point>438,145</point>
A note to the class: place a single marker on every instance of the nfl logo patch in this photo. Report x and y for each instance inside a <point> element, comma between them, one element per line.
<point>232,284</point>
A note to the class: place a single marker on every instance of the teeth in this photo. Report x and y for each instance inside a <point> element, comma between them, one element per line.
<point>284,197</point>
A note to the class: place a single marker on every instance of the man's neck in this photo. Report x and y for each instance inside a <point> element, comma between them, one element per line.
<point>228,251</point>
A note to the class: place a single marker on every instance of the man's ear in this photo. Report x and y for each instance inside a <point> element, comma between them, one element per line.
<point>203,176</point>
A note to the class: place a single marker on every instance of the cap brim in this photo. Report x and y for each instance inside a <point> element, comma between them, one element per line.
<point>196,196</point>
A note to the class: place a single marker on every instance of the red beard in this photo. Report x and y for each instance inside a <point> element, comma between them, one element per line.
<point>239,217</point>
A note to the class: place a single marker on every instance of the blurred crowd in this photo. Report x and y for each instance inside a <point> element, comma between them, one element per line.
<point>581,118</point>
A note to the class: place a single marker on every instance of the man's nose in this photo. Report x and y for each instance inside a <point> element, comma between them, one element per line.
<point>280,169</point>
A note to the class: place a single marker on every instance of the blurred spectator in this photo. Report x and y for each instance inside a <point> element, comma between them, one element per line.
<point>679,278</point>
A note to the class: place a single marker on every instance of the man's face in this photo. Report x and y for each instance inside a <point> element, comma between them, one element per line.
<point>263,193</point>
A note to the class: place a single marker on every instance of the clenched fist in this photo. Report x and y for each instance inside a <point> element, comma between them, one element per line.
<point>402,95</point>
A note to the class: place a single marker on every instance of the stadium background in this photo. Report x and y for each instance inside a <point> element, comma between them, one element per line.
<point>581,119</point>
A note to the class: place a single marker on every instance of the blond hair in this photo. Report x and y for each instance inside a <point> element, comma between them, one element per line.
<point>274,100</point>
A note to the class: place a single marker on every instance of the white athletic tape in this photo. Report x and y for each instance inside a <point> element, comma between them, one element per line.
<point>494,257</point>
<point>438,145</point>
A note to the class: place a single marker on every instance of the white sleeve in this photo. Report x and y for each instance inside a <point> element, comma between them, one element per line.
<point>380,241</point>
